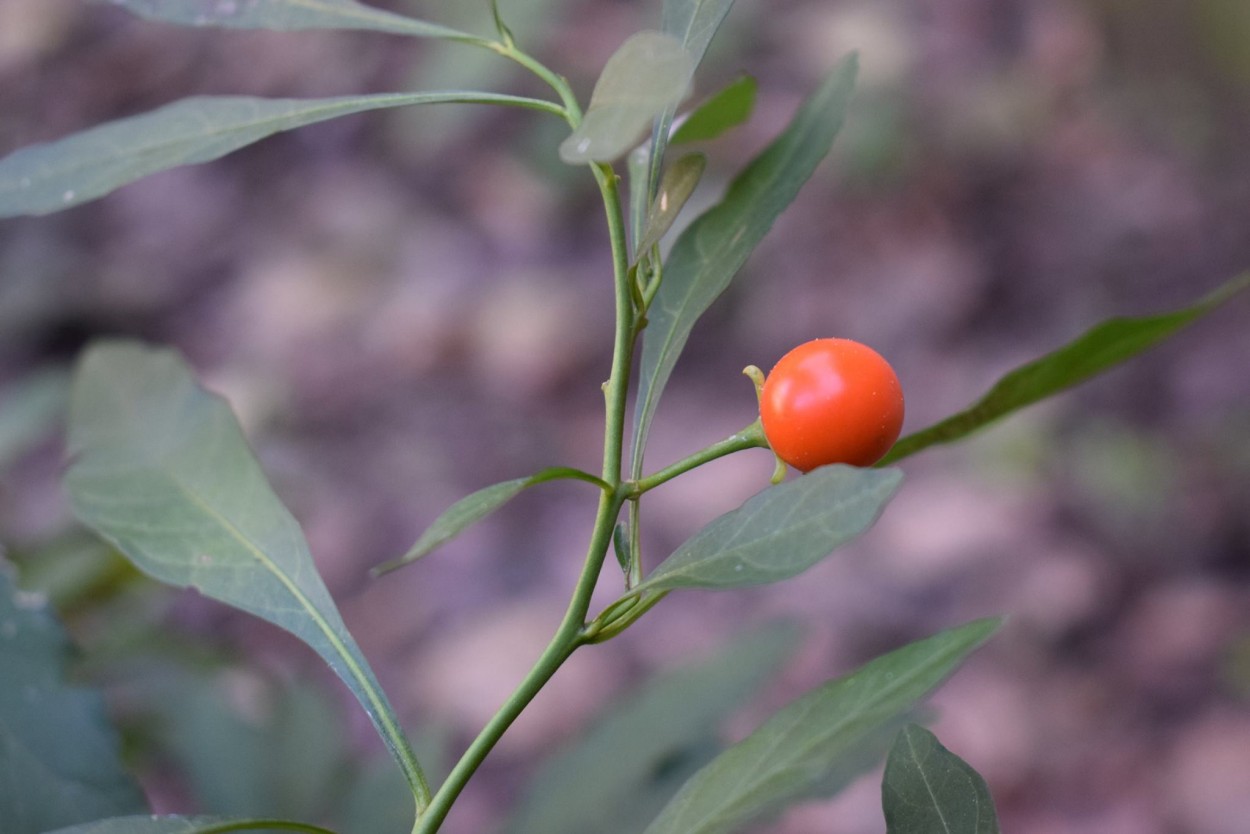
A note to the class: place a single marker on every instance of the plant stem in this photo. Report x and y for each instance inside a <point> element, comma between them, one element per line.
<point>569,634</point>
<point>749,438</point>
<point>557,651</point>
<point>566,640</point>
<point>573,110</point>
<point>616,389</point>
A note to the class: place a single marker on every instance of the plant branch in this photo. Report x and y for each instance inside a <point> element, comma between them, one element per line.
<point>567,639</point>
<point>572,110</point>
<point>616,389</point>
<point>570,633</point>
<point>749,438</point>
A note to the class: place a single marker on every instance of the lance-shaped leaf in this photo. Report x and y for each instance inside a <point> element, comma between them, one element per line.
<point>675,189</point>
<point>626,766</point>
<point>727,109</point>
<point>637,167</point>
<point>1098,349</point>
<point>48,177</point>
<point>713,248</point>
<point>60,758</point>
<point>648,73</point>
<point>187,825</point>
<point>780,532</point>
<point>287,15</point>
<point>162,471</point>
<point>793,754</point>
<point>693,22</point>
<point>927,789</point>
<point>474,507</point>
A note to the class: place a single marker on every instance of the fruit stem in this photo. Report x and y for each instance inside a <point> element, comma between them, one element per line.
<point>749,438</point>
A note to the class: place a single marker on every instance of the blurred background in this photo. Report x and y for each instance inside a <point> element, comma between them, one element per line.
<point>406,306</point>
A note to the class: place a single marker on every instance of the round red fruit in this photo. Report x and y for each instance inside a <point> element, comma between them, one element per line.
<point>831,401</point>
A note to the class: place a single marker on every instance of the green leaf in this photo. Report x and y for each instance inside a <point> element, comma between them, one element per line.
<point>621,546</point>
<point>649,72</point>
<point>637,168</point>
<point>287,15</point>
<point>162,471</point>
<point>711,250</point>
<point>219,754</point>
<point>32,406</point>
<point>727,109</point>
<point>675,189</point>
<point>48,177</point>
<point>626,766</point>
<point>375,801</point>
<point>473,508</point>
<point>792,755</point>
<point>186,825</point>
<point>1098,349</point>
<point>287,762</point>
<point>60,761</point>
<point>927,789</point>
<point>693,22</point>
<point>780,532</point>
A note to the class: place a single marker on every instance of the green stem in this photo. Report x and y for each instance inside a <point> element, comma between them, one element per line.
<point>751,437</point>
<point>569,635</point>
<point>566,640</point>
<point>572,110</point>
<point>616,389</point>
<point>552,657</point>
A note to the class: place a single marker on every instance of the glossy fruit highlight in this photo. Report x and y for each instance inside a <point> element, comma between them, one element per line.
<point>831,401</point>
